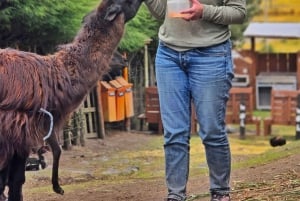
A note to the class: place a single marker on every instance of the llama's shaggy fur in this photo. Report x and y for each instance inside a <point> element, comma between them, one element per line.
<point>57,83</point>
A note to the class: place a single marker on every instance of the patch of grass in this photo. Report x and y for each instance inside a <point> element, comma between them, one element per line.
<point>147,162</point>
<point>262,113</point>
<point>285,186</point>
<point>198,196</point>
<point>269,155</point>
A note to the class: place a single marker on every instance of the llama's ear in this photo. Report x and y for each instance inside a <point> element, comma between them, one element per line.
<point>112,11</point>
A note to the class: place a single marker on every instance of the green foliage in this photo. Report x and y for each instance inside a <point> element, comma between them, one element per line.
<point>237,30</point>
<point>39,25</point>
<point>262,113</point>
<point>141,28</point>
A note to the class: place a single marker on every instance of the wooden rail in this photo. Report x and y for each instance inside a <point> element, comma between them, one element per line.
<point>237,95</point>
<point>152,109</point>
<point>283,109</point>
<point>244,95</point>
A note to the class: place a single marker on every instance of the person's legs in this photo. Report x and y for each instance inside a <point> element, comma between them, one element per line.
<point>174,99</point>
<point>210,76</point>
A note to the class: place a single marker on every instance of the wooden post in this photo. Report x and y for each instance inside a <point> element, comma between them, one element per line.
<point>99,112</point>
<point>242,120</point>
<point>127,120</point>
<point>194,119</point>
<point>80,124</point>
<point>146,67</point>
<point>252,44</point>
<point>67,145</point>
<point>74,129</point>
<point>125,72</point>
<point>298,118</point>
<point>298,69</point>
<point>146,61</point>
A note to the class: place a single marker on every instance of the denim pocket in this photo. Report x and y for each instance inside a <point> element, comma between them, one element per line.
<point>218,50</point>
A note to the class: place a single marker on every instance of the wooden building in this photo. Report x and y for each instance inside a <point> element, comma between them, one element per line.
<point>271,70</point>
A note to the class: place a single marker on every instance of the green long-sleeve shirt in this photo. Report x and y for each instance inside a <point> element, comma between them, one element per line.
<point>211,29</point>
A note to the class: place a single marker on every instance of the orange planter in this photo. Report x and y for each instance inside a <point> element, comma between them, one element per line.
<point>129,111</point>
<point>108,99</point>
<point>120,99</point>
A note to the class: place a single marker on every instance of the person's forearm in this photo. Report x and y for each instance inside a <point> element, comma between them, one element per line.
<point>233,12</point>
<point>157,8</point>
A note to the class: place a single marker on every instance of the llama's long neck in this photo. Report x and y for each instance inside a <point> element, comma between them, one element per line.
<point>85,60</point>
<point>92,49</point>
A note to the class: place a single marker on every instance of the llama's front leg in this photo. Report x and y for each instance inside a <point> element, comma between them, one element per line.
<point>16,178</point>
<point>56,151</point>
<point>3,180</point>
<point>3,197</point>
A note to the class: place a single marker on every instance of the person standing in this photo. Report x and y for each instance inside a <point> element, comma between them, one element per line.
<point>194,64</point>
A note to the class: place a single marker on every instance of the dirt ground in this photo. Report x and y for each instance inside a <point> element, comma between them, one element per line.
<point>278,180</point>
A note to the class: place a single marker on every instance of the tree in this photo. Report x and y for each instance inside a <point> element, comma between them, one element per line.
<point>141,28</point>
<point>40,25</point>
<point>237,30</point>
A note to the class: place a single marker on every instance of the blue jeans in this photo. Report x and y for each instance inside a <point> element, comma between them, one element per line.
<point>201,75</point>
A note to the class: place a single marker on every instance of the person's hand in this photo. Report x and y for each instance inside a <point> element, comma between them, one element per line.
<point>194,12</point>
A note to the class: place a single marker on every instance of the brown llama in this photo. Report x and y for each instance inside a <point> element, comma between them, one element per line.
<point>32,86</point>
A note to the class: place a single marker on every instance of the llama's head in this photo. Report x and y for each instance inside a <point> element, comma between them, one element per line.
<point>128,8</point>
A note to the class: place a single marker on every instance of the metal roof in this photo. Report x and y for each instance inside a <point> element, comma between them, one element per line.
<point>276,77</point>
<point>273,30</point>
